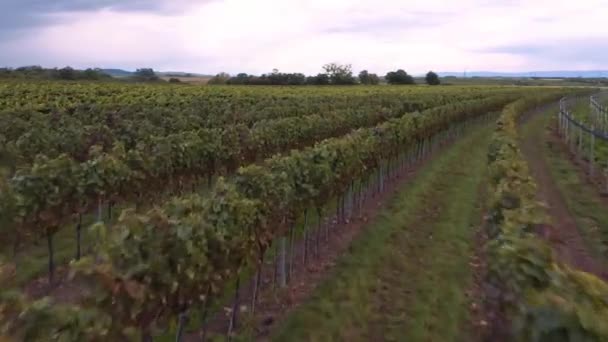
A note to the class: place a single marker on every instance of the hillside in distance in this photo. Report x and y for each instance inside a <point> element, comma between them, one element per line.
<point>126,73</point>
<point>544,74</point>
<point>524,74</point>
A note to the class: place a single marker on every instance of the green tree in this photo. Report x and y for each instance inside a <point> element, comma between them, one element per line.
<point>240,79</point>
<point>374,79</point>
<point>145,74</point>
<point>221,78</point>
<point>320,79</point>
<point>339,74</point>
<point>432,78</point>
<point>90,74</point>
<point>366,78</point>
<point>94,74</point>
<point>67,73</point>
<point>399,77</point>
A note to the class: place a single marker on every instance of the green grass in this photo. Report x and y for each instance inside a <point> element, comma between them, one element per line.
<point>582,198</point>
<point>405,278</point>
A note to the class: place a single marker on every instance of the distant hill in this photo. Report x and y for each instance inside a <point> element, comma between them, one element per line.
<point>117,72</point>
<point>125,73</point>
<point>180,74</point>
<point>541,74</point>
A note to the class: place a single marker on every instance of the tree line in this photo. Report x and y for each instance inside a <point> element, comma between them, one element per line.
<point>70,74</point>
<point>334,74</point>
<point>67,73</point>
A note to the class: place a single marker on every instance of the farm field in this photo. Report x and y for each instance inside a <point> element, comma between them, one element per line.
<point>314,213</point>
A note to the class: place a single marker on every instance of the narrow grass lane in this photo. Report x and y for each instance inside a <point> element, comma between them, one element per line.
<point>406,277</point>
<point>573,196</point>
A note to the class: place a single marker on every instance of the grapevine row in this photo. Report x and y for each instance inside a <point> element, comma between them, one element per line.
<point>39,200</point>
<point>28,131</point>
<point>543,298</point>
<point>151,267</point>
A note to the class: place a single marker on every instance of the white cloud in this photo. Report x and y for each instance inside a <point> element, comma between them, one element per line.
<point>300,35</point>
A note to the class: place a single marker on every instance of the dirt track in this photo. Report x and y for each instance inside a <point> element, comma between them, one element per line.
<point>563,233</point>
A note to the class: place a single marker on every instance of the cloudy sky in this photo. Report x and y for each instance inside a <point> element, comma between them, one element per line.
<point>255,36</point>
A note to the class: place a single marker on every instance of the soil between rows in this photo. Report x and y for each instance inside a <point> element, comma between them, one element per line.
<point>563,234</point>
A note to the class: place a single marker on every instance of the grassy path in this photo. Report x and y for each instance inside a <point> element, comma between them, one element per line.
<point>406,277</point>
<point>579,215</point>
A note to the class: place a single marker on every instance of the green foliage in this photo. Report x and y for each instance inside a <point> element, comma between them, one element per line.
<point>43,320</point>
<point>573,307</point>
<point>52,186</point>
<point>221,78</point>
<point>39,73</point>
<point>432,78</point>
<point>547,300</point>
<point>368,79</point>
<point>339,74</point>
<point>67,73</point>
<point>399,77</point>
<point>275,78</point>
<point>239,220</point>
<point>145,75</point>
<point>320,79</point>
<point>154,265</point>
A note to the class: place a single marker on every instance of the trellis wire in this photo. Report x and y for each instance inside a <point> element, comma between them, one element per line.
<point>581,138</point>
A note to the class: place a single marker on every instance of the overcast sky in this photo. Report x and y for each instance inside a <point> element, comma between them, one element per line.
<point>255,36</point>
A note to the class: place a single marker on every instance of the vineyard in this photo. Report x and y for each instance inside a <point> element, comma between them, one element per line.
<point>158,211</point>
